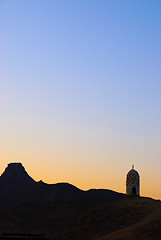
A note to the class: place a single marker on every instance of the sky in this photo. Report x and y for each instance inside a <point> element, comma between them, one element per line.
<point>80,91</point>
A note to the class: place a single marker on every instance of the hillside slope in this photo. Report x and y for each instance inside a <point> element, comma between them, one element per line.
<point>126,219</point>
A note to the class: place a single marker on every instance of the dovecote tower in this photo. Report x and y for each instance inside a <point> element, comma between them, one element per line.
<point>133,183</point>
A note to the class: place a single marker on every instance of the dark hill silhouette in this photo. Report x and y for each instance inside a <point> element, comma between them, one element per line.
<point>15,174</point>
<point>15,180</point>
<point>30,206</point>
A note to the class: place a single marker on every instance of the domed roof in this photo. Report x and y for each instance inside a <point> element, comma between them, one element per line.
<point>133,172</point>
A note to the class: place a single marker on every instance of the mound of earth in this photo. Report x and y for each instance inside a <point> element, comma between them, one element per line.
<point>128,219</point>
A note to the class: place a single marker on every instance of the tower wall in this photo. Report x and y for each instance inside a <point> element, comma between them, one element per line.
<point>130,190</point>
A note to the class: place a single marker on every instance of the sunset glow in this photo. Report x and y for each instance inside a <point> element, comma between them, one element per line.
<point>80,91</point>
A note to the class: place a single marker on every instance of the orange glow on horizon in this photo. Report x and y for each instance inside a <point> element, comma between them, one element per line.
<point>86,178</point>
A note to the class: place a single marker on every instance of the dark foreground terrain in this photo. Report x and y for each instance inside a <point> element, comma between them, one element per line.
<point>62,211</point>
<point>126,219</point>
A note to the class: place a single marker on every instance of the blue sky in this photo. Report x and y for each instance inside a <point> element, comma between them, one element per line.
<point>80,88</point>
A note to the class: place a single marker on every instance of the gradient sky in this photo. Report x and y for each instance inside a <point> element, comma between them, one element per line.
<point>80,91</point>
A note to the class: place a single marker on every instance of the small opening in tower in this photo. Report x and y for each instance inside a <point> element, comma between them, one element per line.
<point>133,190</point>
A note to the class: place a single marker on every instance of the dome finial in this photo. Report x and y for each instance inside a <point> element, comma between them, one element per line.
<point>133,166</point>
